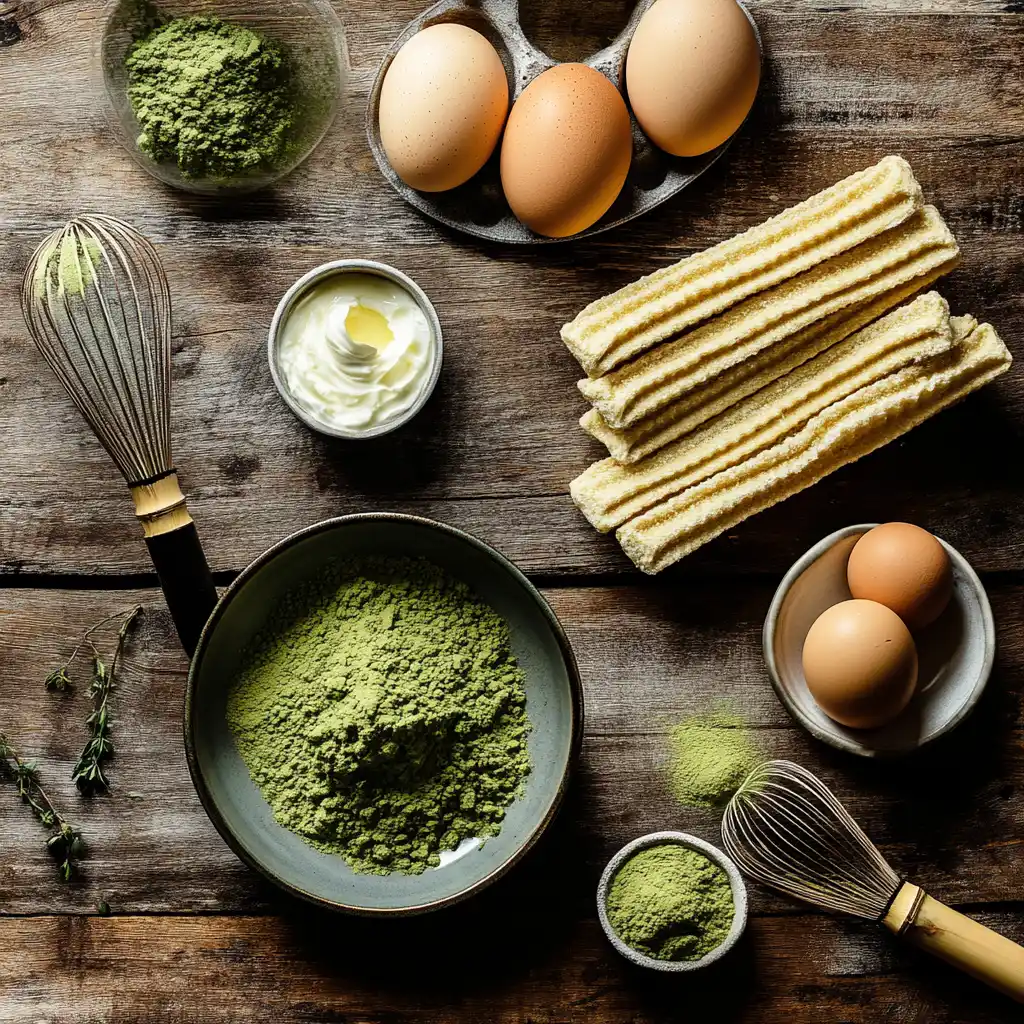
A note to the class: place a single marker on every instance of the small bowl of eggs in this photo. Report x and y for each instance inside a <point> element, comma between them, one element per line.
<point>482,131</point>
<point>880,639</point>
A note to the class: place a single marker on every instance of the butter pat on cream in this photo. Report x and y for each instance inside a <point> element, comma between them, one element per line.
<point>356,351</point>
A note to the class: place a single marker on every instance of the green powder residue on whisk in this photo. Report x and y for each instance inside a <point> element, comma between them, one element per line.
<point>711,754</point>
<point>69,266</point>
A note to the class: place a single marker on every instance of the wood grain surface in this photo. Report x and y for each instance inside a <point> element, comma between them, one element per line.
<point>195,936</point>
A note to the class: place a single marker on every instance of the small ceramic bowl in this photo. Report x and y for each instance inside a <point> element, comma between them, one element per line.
<point>309,32</point>
<point>299,289</point>
<point>739,899</point>
<point>554,703</point>
<point>955,653</point>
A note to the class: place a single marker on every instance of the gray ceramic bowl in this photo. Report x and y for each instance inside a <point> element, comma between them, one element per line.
<point>956,652</point>
<point>553,694</point>
<point>374,269</point>
<point>739,898</point>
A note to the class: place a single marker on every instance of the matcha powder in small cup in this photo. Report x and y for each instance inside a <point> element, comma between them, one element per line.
<point>382,715</point>
<point>213,97</point>
<point>671,903</point>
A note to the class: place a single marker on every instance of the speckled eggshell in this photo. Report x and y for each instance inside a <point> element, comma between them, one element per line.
<point>692,73</point>
<point>443,104</point>
<point>906,569</point>
<point>567,149</point>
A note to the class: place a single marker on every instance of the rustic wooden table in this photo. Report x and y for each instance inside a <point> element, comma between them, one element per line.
<point>192,934</point>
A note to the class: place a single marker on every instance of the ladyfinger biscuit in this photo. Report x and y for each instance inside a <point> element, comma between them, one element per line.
<point>609,493</point>
<point>918,247</point>
<point>647,436</point>
<point>843,433</point>
<point>630,321</point>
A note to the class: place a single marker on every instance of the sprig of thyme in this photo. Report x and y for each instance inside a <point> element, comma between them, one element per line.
<point>88,774</point>
<point>65,843</point>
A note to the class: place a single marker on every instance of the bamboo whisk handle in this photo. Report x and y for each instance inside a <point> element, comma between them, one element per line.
<point>177,556</point>
<point>960,941</point>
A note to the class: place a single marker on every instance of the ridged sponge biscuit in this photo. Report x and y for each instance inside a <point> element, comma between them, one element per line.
<point>622,325</point>
<point>644,438</point>
<point>841,434</point>
<point>918,247</point>
<point>609,493</point>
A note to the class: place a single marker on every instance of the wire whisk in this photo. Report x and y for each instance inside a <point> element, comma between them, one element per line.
<point>785,828</point>
<point>97,303</point>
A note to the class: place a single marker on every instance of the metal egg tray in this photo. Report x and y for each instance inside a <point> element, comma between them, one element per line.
<point>478,207</point>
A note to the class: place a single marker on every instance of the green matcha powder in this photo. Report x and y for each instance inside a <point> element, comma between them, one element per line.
<point>383,716</point>
<point>711,754</point>
<point>213,97</point>
<point>671,903</point>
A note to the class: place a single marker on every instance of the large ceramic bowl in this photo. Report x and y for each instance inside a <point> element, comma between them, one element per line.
<point>311,35</point>
<point>553,696</point>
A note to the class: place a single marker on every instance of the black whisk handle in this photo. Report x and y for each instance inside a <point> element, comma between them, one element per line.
<point>186,580</point>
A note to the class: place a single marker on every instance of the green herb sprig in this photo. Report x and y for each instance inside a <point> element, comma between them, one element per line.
<point>88,774</point>
<point>65,843</point>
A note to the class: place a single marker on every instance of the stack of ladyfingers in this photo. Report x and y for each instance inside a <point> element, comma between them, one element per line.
<point>745,373</point>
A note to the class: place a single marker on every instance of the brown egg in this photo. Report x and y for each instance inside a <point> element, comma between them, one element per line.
<point>860,663</point>
<point>692,73</point>
<point>906,569</point>
<point>442,107</point>
<point>567,149</point>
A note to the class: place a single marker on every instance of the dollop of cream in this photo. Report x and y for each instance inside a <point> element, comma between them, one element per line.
<point>356,351</point>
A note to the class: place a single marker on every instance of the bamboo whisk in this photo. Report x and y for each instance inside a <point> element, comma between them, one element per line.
<point>785,828</point>
<point>97,304</point>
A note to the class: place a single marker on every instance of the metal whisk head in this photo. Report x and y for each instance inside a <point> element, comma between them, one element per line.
<point>96,301</point>
<point>785,828</point>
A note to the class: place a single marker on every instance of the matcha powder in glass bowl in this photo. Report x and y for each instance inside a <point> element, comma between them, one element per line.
<point>212,97</point>
<point>382,715</point>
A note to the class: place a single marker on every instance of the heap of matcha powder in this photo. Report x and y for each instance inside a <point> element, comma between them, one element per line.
<point>383,716</point>
<point>213,97</point>
<point>711,755</point>
<point>671,903</point>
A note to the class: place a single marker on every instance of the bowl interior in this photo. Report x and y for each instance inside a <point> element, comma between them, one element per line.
<point>309,281</point>
<point>309,32</point>
<point>478,207</point>
<point>242,815</point>
<point>955,653</point>
<point>691,842</point>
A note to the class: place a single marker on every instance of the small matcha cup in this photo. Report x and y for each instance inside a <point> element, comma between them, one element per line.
<point>713,854</point>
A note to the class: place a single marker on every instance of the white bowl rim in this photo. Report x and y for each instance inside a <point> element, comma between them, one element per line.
<point>355,266</point>
<point>691,842</point>
<point>835,738</point>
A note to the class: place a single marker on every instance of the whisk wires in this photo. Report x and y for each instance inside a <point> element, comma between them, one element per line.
<point>785,828</point>
<point>97,303</point>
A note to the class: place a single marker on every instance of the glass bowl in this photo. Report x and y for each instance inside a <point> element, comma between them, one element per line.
<point>311,35</point>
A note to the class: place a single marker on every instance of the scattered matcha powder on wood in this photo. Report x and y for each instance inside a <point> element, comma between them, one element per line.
<point>383,716</point>
<point>711,755</point>
<point>671,903</point>
<point>213,97</point>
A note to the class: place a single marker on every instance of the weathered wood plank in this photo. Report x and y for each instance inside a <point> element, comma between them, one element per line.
<point>527,962</point>
<point>649,656</point>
